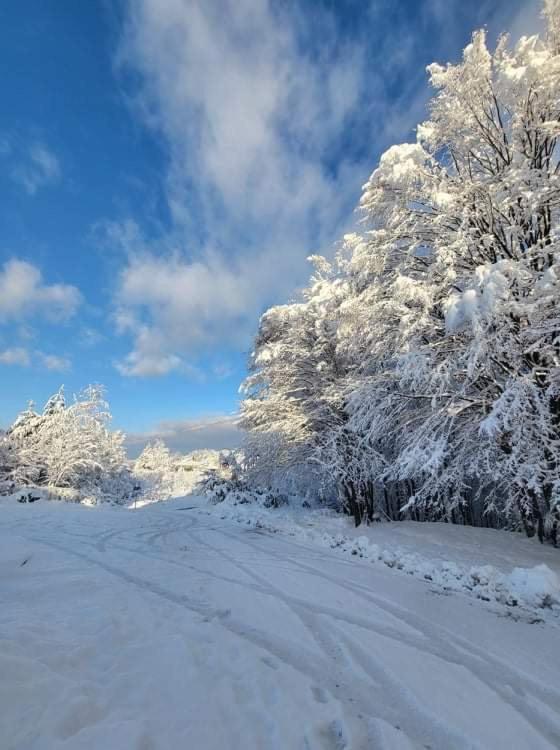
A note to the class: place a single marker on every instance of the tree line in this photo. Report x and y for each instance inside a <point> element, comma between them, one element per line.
<point>418,376</point>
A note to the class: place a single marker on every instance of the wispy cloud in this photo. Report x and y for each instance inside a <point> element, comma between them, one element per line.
<point>527,20</point>
<point>23,293</point>
<point>22,357</point>
<point>90,337</point>
<point>15,356</point>
<point>54,362</point>
<point>251,114</point>
<point>189,305</point>
<point>37,168</point>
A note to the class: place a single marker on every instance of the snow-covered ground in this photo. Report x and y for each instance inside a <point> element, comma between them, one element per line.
<point>489,564</point>
<point>167,627</point>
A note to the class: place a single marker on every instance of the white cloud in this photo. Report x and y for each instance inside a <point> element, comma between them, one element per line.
<point>143,364</point>
<point>249,118</point>
<point>517,17</point>
<point>232,79</point>
<point>54,362</point>
<point>20,356</point>
<point>15,356</point>
<point>38,167</point>
<point>23,293</point>
<point>217,432</point>
<point>222,370</point>
<point>90,337</point>
<point>187,306</point>
<point>149,358</point>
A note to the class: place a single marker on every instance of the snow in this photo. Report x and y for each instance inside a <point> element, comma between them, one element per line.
<point>483,563</point>
<point>493,285</point>
<point>536,586</point>
<point>170,627</point>
<point>400,164</point>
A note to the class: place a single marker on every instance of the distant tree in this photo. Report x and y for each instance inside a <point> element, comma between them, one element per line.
<point>154,457</point>
<point>70,446</point>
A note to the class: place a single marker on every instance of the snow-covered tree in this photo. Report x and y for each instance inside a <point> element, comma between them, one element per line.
<point>154,457</point>
<point>290,403</point>
<point>483,210</point>
<point>23,438</point>
<point>71,446</point>
<point>81,451</point>
<point>424,367</point>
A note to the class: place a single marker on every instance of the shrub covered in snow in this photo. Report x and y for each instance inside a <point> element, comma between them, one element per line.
<point>233,490</point>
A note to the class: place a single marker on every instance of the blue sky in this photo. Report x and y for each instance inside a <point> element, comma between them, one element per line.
<point>168,165</point>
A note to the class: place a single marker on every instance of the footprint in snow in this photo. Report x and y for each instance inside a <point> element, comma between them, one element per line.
<point>319,694</point>
<point>269,662</point>
<point>218,614</point>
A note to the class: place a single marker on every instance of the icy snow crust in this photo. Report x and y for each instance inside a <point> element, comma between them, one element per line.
<point>169,627</point>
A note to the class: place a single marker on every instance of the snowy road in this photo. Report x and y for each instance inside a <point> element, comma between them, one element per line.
<point>165,628</point>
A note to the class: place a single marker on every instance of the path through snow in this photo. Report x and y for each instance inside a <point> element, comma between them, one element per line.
<point>166,628</point>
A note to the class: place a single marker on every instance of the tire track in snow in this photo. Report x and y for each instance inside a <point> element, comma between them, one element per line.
<point>433,638</point>
<point>356,694</point>
<point>311,666</point>
<point>330,669</point>
<point>426,728</point>
<point>461,649</point>
<point>494,672</point>
<point>497,676</point>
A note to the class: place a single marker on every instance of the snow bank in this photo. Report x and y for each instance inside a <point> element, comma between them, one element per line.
<point>538,586</point>
<point>531,588</point>
<point>31,493</point>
